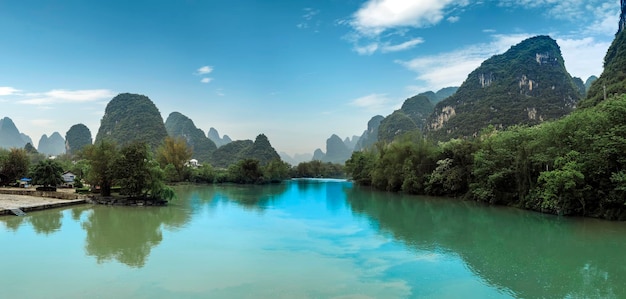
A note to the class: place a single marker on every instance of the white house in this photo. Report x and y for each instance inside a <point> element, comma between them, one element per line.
<point>68,179</point>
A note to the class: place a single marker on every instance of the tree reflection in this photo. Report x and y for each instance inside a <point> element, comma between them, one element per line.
<point>533,255</point>
<point>128,234</point>
<point>46,222</point>
<point>12,222</point>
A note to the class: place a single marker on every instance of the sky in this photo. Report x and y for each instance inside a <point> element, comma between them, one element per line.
<point>297,71</point>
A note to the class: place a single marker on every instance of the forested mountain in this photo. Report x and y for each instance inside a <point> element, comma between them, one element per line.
<point>590,81</point>
<point>179,125</point>
<point>231,153</point>
<point>215,137</point>
<point>411,116</point>
<point>528,84</point>
<point>613,78</point>
<point>51,146</point>
<point>318,155</point>
<point>442,94</point>
<point>76,138</point>
<point>369,136</point>
<point>10,136</point>
<point>132,117</point>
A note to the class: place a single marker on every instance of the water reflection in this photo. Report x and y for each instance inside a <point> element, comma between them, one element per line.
<point>532,255</point>
<point>46,223</point>
<point>128,234</point>
<point>251,197</point>
<point>11,222</point>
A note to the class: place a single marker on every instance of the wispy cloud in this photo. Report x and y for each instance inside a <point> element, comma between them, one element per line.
<point>307,17</point>
<point>453,19</point>
<point>206,80</point>
<point>65,96</point>
<point>451,68</point>
<point>204,70</point>
<point>598,16</point>
<point>387,47</point>
<point>373,102</point>
<point>7,91</point>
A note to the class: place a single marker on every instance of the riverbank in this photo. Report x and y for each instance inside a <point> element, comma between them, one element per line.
<point>32,200</point>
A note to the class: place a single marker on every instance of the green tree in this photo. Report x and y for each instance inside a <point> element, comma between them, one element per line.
<point>132,171</point>
<point>174,151</point>
<point>276,171</point>
<point>47,173</point>
<point>102,157</point>
<point>360,167</point>
<point>247,171</point>
<point>16,164</point>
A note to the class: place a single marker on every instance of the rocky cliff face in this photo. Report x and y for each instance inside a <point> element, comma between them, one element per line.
<point>527,84</point>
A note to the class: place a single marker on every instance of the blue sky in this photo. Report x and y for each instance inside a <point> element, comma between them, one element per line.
<point>297,71</point>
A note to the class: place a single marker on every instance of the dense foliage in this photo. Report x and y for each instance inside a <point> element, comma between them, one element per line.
<point>77,137</point>
<point>175,154</point>
<point>238,150</point>
<point>179,125</point>
<point>47,173</point>
<point>14,164</point>
<point>318,169</point>
<point>572,166</point>
<point>132,117</point>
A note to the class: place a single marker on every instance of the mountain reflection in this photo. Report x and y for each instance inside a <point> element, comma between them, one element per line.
<point>128,234</point>
<point>530,254</point>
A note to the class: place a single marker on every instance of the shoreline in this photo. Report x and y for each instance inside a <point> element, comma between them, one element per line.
<point>29,199</point>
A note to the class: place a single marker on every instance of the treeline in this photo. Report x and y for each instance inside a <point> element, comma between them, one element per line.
<point>139,172</point>
<point>571,166</point>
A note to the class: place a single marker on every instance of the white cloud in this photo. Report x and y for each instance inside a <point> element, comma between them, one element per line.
<point>206,80</point>
<point>451,68</point>
<point>376,16</point>
<point>366,50</point>
<point>402,46</point>
<point>373,102</point>
<point>583,57</point>
<point>204,70</point>
<point>66,96</point>
<point>453,19</point>
<point>7,91</point>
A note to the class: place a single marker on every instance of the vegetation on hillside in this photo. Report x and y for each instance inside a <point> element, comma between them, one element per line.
<point>77,137</point>
<point>129,118</point>
<point>179,125</point>
<point>613,79</point>
<point>571,166</point>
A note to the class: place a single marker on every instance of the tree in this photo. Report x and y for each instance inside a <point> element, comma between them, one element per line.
<point>15,164</point>
<point>132,171</point>
<point>47,173</point>
<point>247,171</point>
<point>101,157</point>
<point>174,151</point>
<point>276,171</point>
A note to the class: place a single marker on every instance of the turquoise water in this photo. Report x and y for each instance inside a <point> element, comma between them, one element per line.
<point>309,239</point>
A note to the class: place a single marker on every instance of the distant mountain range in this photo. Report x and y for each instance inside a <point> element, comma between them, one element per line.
<point>215,137</point>
<point>179,125</point>
<point>51,146</point>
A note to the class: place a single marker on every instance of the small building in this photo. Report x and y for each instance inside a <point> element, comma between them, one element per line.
<point>193,163</point>
<point>68,179</point>
<point>25,182</point>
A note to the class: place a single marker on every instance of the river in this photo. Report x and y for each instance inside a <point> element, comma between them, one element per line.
<point>309,239</point>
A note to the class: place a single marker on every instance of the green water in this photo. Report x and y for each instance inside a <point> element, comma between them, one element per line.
<point>308,239</point>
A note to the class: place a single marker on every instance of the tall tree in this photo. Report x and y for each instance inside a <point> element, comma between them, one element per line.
<point>174,151</point>
<point>47,173</point>
<point>101,157</point>
<point>15,164</point>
